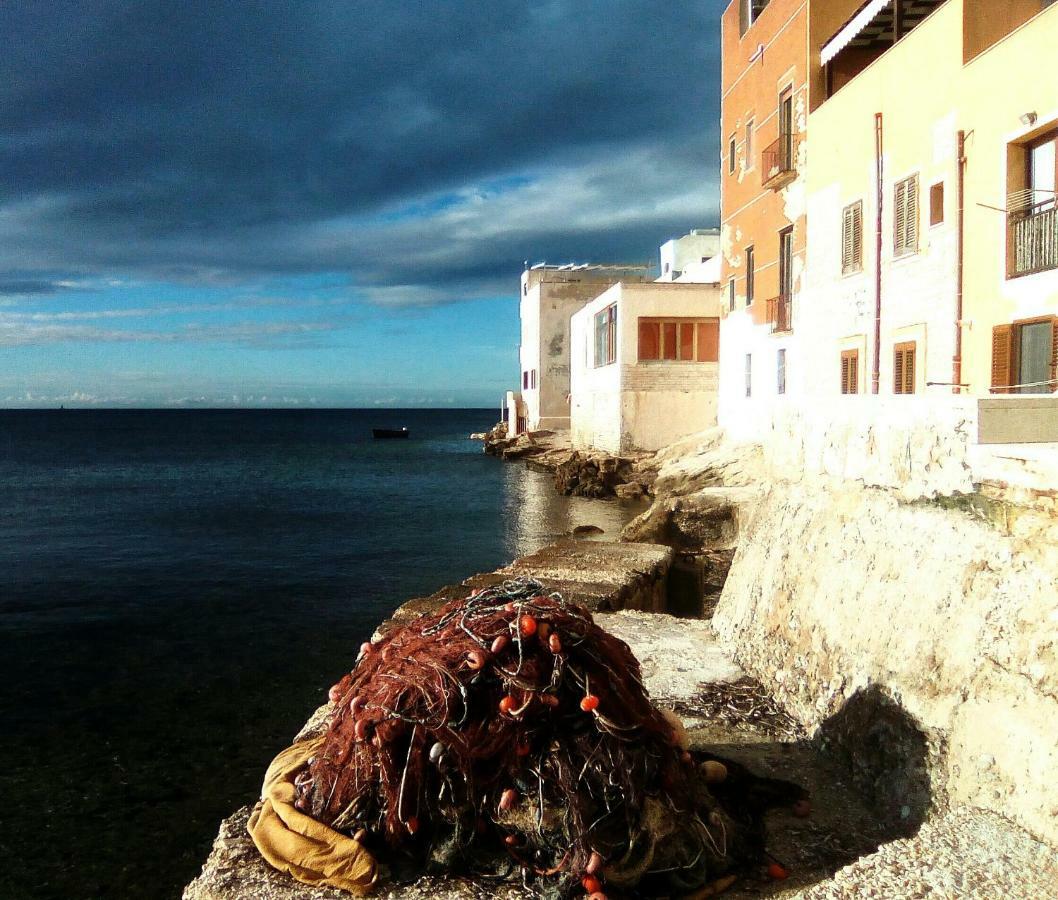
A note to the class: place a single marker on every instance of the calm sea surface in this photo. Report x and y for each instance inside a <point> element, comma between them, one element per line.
<point>178,590</point>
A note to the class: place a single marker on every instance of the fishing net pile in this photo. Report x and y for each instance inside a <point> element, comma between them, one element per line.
<point>509,736</point>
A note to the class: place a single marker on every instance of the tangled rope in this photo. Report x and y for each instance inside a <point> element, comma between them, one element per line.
<point>507,734</point>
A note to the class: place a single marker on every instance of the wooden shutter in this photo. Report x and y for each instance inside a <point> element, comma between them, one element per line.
<point>1054,353</point>
<point>851,237</point>
<point>905,216</point>
<point>846,239</point>
<point>850,374</point>
<point>708,341</point>
<point>911,232</point>
<point>1002,344</point>
<point>857,235</point>
<point>904,368</point>
<point>649,340</point>
<point>899,217</point>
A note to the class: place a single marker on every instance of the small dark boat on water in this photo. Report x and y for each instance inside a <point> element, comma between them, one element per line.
<point>390,433</point>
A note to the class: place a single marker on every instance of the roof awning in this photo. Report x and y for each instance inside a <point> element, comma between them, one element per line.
<point>851,28</point>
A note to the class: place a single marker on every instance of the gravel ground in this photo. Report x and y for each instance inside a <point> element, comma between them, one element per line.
<point>965,853</point>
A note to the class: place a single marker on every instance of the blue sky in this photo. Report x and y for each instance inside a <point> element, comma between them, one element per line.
<point>280,203</point>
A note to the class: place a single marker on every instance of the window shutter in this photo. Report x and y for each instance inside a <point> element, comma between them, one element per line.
<point>899,218</point>
<point>909,370</point>
<point>898,372</point>
<point>1002,339</point>
<point>846,239</point>
<point>854,373</point>
<point>911,232</point>
<point>1054,353</point>
<point>857,235</point>
<point>844,374</point>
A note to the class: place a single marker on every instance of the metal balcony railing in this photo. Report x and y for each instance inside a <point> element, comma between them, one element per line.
<point>780,313</point>
<point>777,162</point>
<point>1033,240</point>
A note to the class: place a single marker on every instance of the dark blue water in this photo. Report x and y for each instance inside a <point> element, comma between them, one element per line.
<point>177,591</point>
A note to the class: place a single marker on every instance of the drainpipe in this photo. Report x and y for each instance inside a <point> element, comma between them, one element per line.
<point>876,368</point>
<point>956,363</point>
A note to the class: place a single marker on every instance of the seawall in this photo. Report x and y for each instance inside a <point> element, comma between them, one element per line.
<point>891,564</point>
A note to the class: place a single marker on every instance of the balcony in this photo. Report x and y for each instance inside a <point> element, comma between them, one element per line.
<point>780,314</point>
<point>777,163</point>
<point>1033,240</point>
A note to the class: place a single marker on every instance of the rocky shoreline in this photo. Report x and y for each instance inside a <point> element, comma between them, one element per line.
<point>870,833</point>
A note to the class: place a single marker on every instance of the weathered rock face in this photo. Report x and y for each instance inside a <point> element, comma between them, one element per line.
<point>705,520</point>
<point>593,475</point>
<point>838,589</point>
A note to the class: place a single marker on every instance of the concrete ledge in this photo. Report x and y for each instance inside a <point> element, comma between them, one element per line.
<point>1017,419</point>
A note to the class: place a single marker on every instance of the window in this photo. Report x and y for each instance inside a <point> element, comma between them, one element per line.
<point>748,12</point>
<point>852,238</point>
<point>731,295</point>
<point>1025,357</point>
<point>786,129</point>
<point>532,378</point>
<point>780,371</point>
<point>850,371</point>
<point>905,216</point>
<point>904,368</point>
<point>680,340</point>
<point>749,145</point>
<point>606,336</point>
<point>749,276</point>
<point>731,156</point>
<point>749,374</point>
<point>1032,219</point>
<point>936,203</point>
<point>525,381</point>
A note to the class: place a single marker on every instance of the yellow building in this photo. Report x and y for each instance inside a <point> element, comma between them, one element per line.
<point>932,233</point>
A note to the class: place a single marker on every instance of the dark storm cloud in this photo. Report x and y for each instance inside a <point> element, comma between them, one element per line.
<point>22,287</point>
<point>227,139</point>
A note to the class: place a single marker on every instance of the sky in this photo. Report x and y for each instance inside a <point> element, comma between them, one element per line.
<point>298,202</point>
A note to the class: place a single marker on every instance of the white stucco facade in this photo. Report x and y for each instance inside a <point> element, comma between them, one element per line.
<point>640,405</point>
<point>548,298</point>
<point>682,258</point>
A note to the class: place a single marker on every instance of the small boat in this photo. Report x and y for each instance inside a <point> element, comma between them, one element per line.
<point>389,433</point>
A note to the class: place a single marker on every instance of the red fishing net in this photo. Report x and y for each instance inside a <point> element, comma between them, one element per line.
<point>509,734</point>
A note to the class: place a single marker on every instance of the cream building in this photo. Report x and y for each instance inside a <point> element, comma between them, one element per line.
<point>955,288</point>
<point>644,368</point>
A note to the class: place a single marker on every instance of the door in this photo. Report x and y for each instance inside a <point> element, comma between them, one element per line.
<point>1034,357</point>
<point>1042,171</point>
<point>786,128</point>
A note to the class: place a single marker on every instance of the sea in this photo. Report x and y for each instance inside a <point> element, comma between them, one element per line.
<point>179,588</point>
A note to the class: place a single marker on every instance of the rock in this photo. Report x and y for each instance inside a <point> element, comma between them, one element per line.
<point>705,520</point>
<point>633,490</point>
<point>717,465</point>
<point>587,529</point>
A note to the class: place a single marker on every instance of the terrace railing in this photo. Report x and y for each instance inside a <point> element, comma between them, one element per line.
<point>778,162</point>
<point>1033,240</point>
<point>780,313</point>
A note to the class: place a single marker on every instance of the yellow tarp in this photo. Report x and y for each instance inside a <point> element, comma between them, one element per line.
<point>295,843</point>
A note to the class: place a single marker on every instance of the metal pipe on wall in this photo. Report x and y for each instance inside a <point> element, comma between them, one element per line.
<point>879,187</point>
<point>956,362</point>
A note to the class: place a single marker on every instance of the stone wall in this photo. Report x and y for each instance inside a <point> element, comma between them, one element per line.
<point>877,560</point>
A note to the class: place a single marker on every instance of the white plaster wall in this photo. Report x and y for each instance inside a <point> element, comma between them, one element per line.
<point>595,392</point>
<point>748,418</point>
<point>631,405</point>
<point>684,253</point>
<point>529,348</point>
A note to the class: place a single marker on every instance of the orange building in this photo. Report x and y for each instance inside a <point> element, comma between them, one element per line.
<point>764,109</point>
